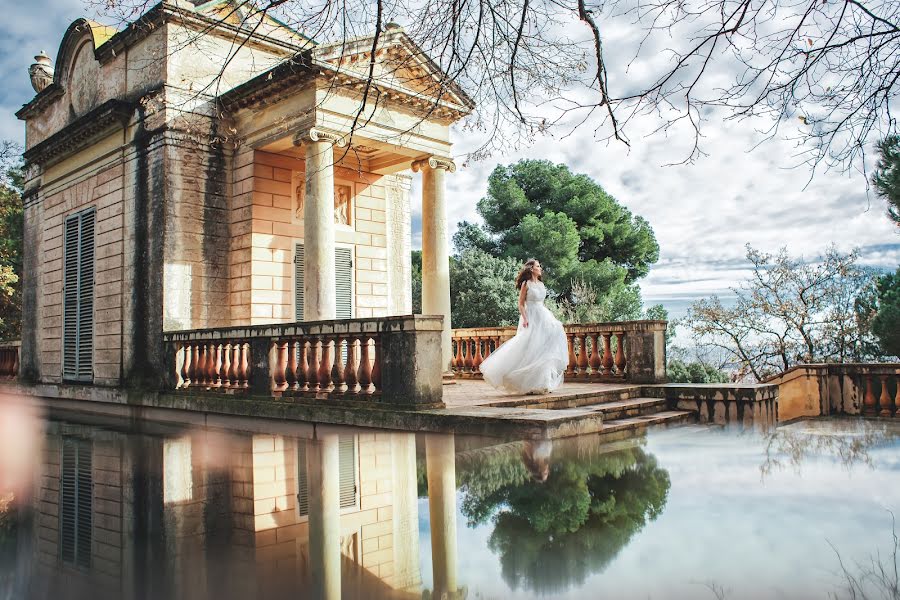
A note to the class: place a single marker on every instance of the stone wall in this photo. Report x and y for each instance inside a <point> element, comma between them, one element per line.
<point>266,226</point>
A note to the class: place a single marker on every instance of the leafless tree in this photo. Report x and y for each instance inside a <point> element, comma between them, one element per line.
<point>822,72</point>
<point>790,311</point>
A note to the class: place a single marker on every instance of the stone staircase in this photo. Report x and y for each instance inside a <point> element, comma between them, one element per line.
<point>622,408</point>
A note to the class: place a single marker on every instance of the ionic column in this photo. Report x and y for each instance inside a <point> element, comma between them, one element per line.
<point>323,471</point>
<point>436,247</point>
<point>440,463</point>
<point>320,294</point>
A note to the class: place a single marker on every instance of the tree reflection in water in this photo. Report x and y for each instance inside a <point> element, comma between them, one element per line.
<point>560,517</point>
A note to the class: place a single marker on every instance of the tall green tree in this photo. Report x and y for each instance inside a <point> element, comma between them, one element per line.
<point>535,209</point>
<point>886,323</point>
<point>482,290</point>
<point>11,230</point>
<point>886,178</point>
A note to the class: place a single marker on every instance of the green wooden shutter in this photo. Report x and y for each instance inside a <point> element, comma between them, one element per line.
<point>76,502</point>
<point>78,297</point>
<point>347,462</point>
<point>70,299</point>
<point>298,282</point>
<point>343,269</point>
<point>346,476</point>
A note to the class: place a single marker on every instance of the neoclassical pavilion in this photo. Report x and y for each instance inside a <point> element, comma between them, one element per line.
<point>179,181</point>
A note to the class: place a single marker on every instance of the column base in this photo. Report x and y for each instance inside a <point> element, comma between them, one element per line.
<point>448,378</point>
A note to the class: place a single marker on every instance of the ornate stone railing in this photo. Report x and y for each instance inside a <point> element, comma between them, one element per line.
<point>9,359</point>
<point>868,389</point>
<point>393,359</point>
<point>633,351</point>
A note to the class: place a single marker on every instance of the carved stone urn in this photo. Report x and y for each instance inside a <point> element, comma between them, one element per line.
<point>41,72</point>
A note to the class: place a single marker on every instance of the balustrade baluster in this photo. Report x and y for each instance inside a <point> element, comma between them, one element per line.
<point>897,395</point>
<point>487,347</point>
<point>620,353</point>
<point>478,358</point>
<point>187,351</point>
<point>303,366</point>
<point>885,400</point>
<point>278,376</point>
<point>217,355</point>
<point>458,356</point>
<point>365,367</point>
<point>312,372</point>
<point>198,365</point>
<point>236,365</point>
<point>351,366</point>
<point>570,368</point>
<point>869,398</point>
<point>469,355</point>
<point>595,360</point>
<point>290,374</point>
<point>325,366</point>
<point>337,369</point>
<point>245,365</point>
<point>607,354</point>
<point>582,356</point>
<point>226,366</point>
<point>376,366</point>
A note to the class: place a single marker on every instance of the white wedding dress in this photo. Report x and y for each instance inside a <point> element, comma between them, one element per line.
<point>534,360</point>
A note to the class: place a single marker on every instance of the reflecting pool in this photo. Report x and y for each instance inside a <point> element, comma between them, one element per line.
<point>261,509</point>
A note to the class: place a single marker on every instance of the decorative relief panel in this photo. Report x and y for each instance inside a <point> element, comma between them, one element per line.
<point>343,199</point>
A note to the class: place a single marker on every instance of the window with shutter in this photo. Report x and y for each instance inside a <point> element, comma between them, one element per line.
<point>347,461</point>
<point>78,296</point>
<point>76,502</point>
<point>343,263</point>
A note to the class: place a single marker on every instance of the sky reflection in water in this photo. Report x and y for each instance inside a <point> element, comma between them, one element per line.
<point>663,516</point>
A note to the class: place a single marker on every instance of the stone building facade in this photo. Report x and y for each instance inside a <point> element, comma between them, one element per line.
<point>178,181</point>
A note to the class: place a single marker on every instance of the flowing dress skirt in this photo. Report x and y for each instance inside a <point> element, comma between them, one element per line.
<point>534,360</point>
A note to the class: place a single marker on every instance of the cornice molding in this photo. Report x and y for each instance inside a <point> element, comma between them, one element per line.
<point>81,132</point>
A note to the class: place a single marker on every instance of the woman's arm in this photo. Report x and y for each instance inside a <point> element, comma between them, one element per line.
<point>522,295</point>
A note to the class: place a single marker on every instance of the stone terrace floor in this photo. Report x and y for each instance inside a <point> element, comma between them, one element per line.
<point>475,392</point>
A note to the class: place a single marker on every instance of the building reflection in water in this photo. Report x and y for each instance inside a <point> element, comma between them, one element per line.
<point>204,514</point>
<point>321,513</point>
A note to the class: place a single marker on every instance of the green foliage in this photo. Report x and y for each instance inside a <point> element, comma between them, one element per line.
<point>622,302</point>
<point>417,282</point>
<point>552,534</point>
<point>679,371</point>
<point>886,178</point>
<point>886,323</point>
<point>535,209</point>
<point>482,290</point>
<point>11,239</point>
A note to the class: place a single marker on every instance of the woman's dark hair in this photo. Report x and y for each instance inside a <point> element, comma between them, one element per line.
<point>527,273</point>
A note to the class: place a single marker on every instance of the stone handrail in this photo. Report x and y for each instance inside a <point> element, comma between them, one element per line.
<point>632,351</point>
<point>391,359</point>
<point>868,389</point>
<point>9,359</point>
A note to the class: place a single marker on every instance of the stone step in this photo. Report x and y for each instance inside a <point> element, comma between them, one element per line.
<point>663,418</point>
<point>565,399</point>
<point>633,407</point>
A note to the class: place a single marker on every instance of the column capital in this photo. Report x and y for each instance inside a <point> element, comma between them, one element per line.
<point>434,162</point>
<point>314,134</point>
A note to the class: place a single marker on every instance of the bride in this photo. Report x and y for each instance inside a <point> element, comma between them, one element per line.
<point>534,360</point>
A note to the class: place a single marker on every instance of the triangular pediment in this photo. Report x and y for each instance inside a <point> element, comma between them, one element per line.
<point>401,67</point>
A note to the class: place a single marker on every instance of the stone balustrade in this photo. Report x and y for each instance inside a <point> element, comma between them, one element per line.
<point>868,389</point>
<point>395,360</point>
<point>632,351</point>
<point>9,360</point>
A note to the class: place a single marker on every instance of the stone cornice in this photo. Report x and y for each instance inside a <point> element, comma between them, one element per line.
<point>434,162</point>
<point>267,85</point>
<point>314,134</point>
<point>41,101</point>
<point>81,132</point>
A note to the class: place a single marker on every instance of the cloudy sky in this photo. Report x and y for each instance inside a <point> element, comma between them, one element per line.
<point>703,213</point>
